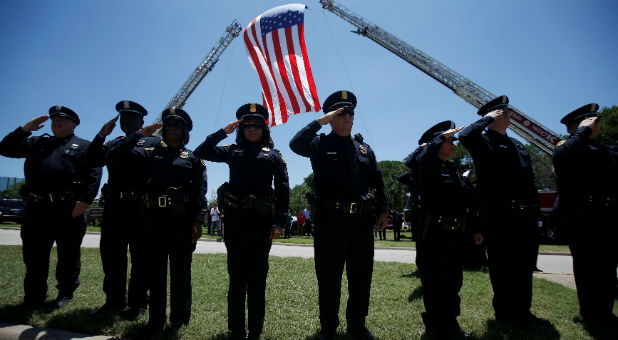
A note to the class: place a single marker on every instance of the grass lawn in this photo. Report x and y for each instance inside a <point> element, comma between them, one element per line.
<point>292,311</point>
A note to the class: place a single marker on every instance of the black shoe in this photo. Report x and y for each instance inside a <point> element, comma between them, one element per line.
<point>134,313</point>
<point>536,321</point>
<point>27,305</point>
<point>62,300</point>
<point>104,310</point>
<point>325,335</point>
<point>173,332</point>
<point>360,333</point>
<point>253,336</point>
<point>237,335</point>
<point>537,270</point>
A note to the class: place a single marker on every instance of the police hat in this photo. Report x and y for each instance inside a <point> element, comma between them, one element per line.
<point>589,110</point>
<point>252,110</point>
<point>436,130</point>
<point>129,106</point>
<point>63,111</point>
<point>501,102</point>
<point>339,99</point>
<point>177,113</point>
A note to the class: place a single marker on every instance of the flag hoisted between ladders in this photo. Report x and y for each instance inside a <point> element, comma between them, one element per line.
<point>275,43</point>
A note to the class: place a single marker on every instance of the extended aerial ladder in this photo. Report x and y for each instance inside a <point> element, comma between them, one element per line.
<point>179,99</point>
<point>523,125</point>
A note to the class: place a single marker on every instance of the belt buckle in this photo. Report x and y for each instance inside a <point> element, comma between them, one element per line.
<point>162,201</point>
<point>352,208</point>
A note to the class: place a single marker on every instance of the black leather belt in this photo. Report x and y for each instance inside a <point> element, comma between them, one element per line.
<point>352,208</point>
<point>601,200</point>
<point>50,198</point>
<point>123,195</point>
<point>448,222</point>
<point>164,201</point>
<point>521,206</point>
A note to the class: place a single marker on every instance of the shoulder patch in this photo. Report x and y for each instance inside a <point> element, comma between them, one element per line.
<point>202,161</point>
<point>150,148</point>
<point>561,142</point>
<point>281,156</point>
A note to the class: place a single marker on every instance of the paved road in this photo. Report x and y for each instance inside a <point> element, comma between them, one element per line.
<point>561,264</point>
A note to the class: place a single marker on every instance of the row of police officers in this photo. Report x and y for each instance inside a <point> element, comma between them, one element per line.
<point>155,204</point>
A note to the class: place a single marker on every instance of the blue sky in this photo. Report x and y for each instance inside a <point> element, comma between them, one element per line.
<point>548,56</point>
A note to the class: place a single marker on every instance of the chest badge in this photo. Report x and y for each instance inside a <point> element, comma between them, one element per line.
<point>74,146</point>
<point>141,142</point>
<point>363,150</point>
<point>184,154</point>
<point>265,149</point>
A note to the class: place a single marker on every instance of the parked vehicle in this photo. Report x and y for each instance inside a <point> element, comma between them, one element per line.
<point>11,209</point>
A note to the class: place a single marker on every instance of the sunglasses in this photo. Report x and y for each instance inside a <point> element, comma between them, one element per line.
<point>346,112</point>
<point>251,125</point>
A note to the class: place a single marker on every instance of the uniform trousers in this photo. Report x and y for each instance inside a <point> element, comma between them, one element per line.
<point>595,261</point>
<point>440,255</point>
<point>510,250</point>
<point>340,240</point>
<point>247,239</point>
<point>169,239</point>
<point>43,224</point>
<point>122,228</point>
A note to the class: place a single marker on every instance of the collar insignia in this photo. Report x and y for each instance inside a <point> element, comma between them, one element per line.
<point>363,149</point>
<point>265,149</point>
<point>184,154</point>
<point>74,146</point>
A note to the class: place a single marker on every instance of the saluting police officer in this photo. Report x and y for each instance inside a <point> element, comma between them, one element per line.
<point>122,218</point>
<point>60,186</point>
<point>254,212</point>
<point>174,202</point>
<point>508,210</point>
<point>588,189</point>
<point>350,201</point>
<point>440,241</point>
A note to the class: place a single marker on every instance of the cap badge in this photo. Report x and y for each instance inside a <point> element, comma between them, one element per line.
<point>141,142</point>
<point>58,107</point>
<point>363,149</point>
<point>184,154</point>
<point>252,108</point>
<point>173,110</point>
<point>126,105</point>
<point>344,94</point>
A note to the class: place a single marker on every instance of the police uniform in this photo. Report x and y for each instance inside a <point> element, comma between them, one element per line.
<point>588,189</point>
<point>508,213</point>
<point>57,176</point>
<point>346,173</point>
<point>174,198</point>
<point>440,241</point>
<point>251,208</point>
<point>122,218</point>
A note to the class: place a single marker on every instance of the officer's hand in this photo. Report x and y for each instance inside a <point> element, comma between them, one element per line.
<point>329,116</point>
<point>478,239</point>
<point>451,132</point>
<point>149,130</point>
<point>109,126</point>
<point>593,123</point>
<point>232,126</point>
<point>34,124</point>
<point>275,232</point>
<point>381,221</point>
<point>80,208</point>
<point>196,233</point>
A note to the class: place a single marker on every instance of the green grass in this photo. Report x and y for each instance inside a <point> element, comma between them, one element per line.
<point>292,311</point>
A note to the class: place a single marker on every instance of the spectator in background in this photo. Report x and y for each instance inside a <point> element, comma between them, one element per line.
<point>307,214</point>
<point>287,231</point>
<point>215,225</point>
<point>397,221</point>
<point>300,220</point>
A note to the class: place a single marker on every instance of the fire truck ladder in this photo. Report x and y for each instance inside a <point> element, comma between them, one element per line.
<point>179,99</point>
<point>523,125</point>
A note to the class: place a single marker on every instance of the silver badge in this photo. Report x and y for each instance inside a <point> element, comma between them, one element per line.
<point>74,146</point>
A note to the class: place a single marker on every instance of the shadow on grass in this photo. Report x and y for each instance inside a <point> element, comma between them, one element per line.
<point>598,331</point>
<point>416,294</point>
<point>502,330</point>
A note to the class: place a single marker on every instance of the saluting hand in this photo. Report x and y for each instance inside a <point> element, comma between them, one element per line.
<point>329,116</point>
<point>452,132</point>
<point>232,126</point>
<point>107,129</point>
<point>594,124</point>
<point>80,208</point>
<point>149,130</point>
<point>196,233</point>
<point>35,124</point>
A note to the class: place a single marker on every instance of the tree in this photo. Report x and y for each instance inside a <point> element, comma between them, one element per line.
<point>298,199</point>
<point>395,191</point>
<point>543,168</point>
<point>609,125</point>
<point>12,191</point>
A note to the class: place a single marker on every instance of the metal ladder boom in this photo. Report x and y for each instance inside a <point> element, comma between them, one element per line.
<point>522,124</point>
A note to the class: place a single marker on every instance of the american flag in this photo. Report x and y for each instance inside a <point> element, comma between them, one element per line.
<point>275,43</point>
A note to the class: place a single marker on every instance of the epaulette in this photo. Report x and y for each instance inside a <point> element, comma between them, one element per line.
<point>163,144</point>
<point>560,143</point>
<point>281,156</point>
<point>202,161</point>
<point>359,138</point>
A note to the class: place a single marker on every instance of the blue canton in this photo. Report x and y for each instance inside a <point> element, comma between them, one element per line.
<point>280,20</point>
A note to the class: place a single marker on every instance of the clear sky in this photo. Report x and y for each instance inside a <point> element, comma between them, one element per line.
<point>548,56</point>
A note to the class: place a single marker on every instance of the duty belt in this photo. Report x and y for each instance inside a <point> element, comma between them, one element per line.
<point>50,198</point>
<point>448,222</point>
<point>352,208</point>
<point>123,195</point>
<point>164,201</point>
<point>521,206</point>
<point>602,200</point>
<point>249,202</point>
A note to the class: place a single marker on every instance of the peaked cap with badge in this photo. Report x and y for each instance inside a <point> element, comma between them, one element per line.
<point>177,113</point>
<point>65,112</point>
<point>129,106</point>
<point>588,110</point>
<point>252,110</point>
<point>498,103</point>
<point>436,130</point>
<point>339,99</point>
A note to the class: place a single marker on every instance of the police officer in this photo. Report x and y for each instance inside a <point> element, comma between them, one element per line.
<point>174,204</point>
<point>122,218</point>
<point>350,201</point>
<point>508,210</point>
<point>254,211</point>
<point>588,189</point>
<point>440,241</point>
<point>60,186</point>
